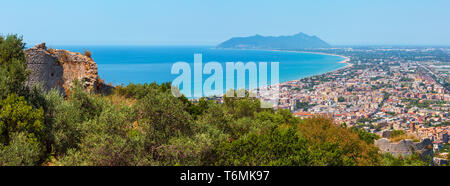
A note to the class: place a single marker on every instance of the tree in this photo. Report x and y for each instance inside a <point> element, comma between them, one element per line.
<point>16,115</point>
<point>332,145</point>
<point>242,106</point>
<point>22,128</point>
<point>163,115</point>
<point>278,147</point>
<point>368,137</point>
<point>13,65</point>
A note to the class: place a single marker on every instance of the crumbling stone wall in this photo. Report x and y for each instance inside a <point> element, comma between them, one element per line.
<point>59,68</point>
<point>45,68</point>
<point>405,147</point>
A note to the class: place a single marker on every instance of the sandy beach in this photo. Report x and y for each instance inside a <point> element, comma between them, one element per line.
<point>346,59</point>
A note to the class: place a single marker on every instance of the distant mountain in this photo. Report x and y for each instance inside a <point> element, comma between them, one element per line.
<point>298,41</point>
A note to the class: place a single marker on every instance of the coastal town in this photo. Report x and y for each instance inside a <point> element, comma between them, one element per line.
<point>392,90</point>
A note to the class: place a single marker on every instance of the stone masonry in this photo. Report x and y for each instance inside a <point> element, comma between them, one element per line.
<point>59,68</point>
<point>405,147</point>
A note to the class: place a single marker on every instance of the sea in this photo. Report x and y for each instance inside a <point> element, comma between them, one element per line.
<point>121,65</point>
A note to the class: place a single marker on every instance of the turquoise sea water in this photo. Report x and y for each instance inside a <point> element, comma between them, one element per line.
<point>146,64</point>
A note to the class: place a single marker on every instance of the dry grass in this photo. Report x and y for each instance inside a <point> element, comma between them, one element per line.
<point>64,58</point>
<point>404,137</point>
<point>50,50</point>
<point>118,100</point>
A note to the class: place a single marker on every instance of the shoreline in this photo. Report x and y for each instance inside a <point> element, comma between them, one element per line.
<point>345,61</point>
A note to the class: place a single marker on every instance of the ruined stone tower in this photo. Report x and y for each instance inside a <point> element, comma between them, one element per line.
<point>59,68</point>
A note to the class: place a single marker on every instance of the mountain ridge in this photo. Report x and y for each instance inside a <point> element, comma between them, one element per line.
<point>293,42</point>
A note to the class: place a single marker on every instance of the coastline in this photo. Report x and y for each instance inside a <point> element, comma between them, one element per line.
<point>345,61</point>
<point>299,76</point>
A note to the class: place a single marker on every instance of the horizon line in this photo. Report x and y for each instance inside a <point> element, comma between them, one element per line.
<point>209,45</point>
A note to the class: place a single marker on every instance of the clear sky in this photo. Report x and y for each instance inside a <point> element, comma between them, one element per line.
<point>209,22</point>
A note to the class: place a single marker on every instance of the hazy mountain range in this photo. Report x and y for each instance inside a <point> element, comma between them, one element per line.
<point>298,41</point>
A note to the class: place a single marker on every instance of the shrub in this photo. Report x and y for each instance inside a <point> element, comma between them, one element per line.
<point>287,117</point>
<point>278,147</point>
<point>108,140</point>
<point>16,115</point>
<point>413,160</point>
<point>66,130</point>
<point>215,119</point>
<point>88,54</point>
<point>102,149</point>
<point>396,133</point>
<point>242,106</point>
<point>187,151</point>
<point>89,104</point>
<point>400,137</point>
<point>336,146</point>
<point>163,115</point>
<point>368,137</point>
<point>21,151</point>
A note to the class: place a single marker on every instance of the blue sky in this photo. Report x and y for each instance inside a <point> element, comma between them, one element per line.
<point>209,22</point>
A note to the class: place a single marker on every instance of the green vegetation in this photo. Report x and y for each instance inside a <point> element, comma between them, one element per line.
<point>398,135</point>
<point>404,79</point>
<point>146,125</point>
<point>22,127</point>
<point>366,136</point>
<point>303,106</point>
<point>12,65</point>
<point>311,142</point>
<point>445,148</point>
<point>391,113</point>
<point>422,103</point>
<point>412,160</point>
<point>445,123</point>
<point>363,120</point>
<point>16,115</point>
<point>376,78</point>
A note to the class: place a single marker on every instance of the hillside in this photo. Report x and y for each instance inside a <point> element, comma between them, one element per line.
<point>145,125</point>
